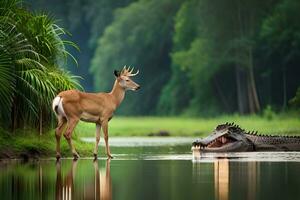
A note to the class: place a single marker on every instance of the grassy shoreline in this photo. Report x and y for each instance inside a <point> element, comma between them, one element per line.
<point>182,126</point>
<point>28,144</point>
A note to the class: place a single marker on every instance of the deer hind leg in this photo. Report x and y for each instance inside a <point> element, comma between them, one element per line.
<point>60,127</point>
<point>58,184</point>
<point>98,128</point>
<point>105,132</point>
<point>68,135</point>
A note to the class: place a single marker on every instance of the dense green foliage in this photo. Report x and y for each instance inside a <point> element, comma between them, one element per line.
<point>31,56</point>
<point>203,57</point>
<point>87,20</point>
<point>196,57</point>
<point>137,37</point>
<point>296,100</point>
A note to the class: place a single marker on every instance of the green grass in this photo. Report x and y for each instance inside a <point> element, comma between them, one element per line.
<point>29,143</point>
<point>178,126</point>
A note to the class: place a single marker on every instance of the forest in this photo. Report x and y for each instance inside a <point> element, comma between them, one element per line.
<point>195,57</point>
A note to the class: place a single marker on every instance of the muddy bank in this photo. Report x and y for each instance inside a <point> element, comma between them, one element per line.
<point>24,155</point>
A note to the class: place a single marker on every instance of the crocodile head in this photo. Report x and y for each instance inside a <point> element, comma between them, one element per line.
<point>225,138</point>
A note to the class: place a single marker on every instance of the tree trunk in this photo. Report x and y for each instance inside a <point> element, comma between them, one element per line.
<point>250,96</point>
<point>241,74</point>
<point>221,94</point>
<point>284,89</point>
<point>241,83</point>
<point>254,98</point>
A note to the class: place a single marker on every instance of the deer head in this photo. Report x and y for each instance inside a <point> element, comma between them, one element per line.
<point>124,80</point>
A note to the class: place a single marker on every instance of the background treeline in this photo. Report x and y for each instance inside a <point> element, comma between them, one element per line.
<point>196,57</point>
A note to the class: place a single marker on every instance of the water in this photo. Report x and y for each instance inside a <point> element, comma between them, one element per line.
<point>155,169</point>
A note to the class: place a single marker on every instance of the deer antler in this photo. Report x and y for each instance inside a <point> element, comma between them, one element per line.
<point>127,72</point>
<point>137,72</point>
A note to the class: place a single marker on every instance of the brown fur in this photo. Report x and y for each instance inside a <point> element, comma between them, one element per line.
<point>97,108</point>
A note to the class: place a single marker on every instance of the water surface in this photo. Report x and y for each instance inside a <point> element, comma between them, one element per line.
<point>155,170</point>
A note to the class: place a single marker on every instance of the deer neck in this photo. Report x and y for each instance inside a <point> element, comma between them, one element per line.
<point>118,93</point>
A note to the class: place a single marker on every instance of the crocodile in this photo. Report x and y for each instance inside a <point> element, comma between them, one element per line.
<point>230,137</point>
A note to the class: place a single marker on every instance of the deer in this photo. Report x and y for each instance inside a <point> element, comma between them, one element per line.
<point>71,106</point>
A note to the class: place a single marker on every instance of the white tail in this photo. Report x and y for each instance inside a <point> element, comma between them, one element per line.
<point>57,107</point>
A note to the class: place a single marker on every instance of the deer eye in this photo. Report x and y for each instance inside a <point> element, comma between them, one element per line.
<point>127,80</point>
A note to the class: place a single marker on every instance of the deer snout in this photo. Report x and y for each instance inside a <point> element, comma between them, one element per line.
<point>137,87</point>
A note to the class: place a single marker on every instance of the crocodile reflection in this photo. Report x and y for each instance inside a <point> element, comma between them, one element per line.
<point>221,179</point>
<point>100,188</point>
<point>224,181</point>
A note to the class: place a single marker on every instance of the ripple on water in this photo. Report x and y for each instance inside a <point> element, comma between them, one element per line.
<point>211,157</point>
<point>144,141</point>
<point>178,148</point>
<point>249,156</point>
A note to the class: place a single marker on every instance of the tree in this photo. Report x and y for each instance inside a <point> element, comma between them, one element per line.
<point>31,52</point>
<point>139,36</point>
<point>197,44</point>
<point>213,42</point>
<point>280,42</point>
<point>87,19</point>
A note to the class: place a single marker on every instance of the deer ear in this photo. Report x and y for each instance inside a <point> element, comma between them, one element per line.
<point>116,73</point>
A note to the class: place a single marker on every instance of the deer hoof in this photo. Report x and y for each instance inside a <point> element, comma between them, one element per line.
<point>57,156</point>
<point>76,156</point>
<point>95,156</point>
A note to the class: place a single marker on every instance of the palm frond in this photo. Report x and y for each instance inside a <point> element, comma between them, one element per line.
<point>7,84</point>
<point>30,50</point>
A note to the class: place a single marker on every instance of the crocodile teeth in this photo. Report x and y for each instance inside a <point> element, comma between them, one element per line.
<point>224,140</point>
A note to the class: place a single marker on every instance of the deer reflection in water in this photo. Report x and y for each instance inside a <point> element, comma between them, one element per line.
<point>100,188</point>
<point>65,189</point>
<point>103,189</point>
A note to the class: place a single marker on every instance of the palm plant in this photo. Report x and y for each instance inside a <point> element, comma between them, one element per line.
<point>31,53</point>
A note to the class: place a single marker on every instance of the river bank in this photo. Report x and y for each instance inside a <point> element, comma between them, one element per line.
<point>28,144</point>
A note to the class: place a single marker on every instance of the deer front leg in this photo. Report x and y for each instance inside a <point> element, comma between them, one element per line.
<point>98,128</point>
<point>105,132</point>
<point>68,135</point>
<point>61,124</point>
<point>97,180</point>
